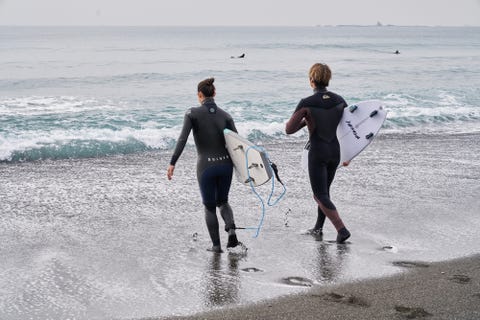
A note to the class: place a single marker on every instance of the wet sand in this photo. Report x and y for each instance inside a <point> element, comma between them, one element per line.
<point>444,290</point>
<point>112,238</point>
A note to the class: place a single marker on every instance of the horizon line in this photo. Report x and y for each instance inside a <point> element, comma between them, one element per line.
<point>238,26</point>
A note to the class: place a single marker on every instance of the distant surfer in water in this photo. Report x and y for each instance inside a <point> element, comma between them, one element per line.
<point>397,52</point>
<point>214,166</point>
<point>238,57</point>
<point>321,113</point>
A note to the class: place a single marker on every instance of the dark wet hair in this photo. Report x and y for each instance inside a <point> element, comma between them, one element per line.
<point>206,87</point>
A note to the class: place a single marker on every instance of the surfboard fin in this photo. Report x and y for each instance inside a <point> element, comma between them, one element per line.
<point>353,108</point>
<point>239,147</point>
<point>368,136</point>
<point>373,113</point>
<point>275,171</point>
<point>253,165</point>
<point>250,179</point>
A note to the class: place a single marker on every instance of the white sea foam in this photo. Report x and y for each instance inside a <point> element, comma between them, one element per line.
<point>37,105</point>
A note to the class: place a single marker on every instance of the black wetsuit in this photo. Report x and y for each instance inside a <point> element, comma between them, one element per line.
<point>214,166</point>
<point>321,112</point>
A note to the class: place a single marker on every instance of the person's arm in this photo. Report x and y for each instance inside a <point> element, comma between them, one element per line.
<point>345,105</point>
<point>297,120</point>
<point>231,125</point>
<point>181,142</point>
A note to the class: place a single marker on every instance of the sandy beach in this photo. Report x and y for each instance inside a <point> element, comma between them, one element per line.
<point>445,290</point>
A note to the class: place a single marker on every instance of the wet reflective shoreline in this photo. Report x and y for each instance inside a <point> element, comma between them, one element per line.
<point>112,238</point>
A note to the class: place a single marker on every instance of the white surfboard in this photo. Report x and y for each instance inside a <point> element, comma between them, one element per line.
<point>360,123</point>
<point>250,162</point>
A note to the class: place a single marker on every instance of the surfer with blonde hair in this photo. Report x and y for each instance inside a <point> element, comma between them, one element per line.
<point>214,166</point>
<point>321,113</point>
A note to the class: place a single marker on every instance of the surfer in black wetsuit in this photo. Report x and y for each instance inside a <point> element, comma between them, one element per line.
<point>321,113</point>
<point>214,166</point>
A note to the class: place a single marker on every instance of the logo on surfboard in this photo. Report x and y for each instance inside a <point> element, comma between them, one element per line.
<point>349,124</point>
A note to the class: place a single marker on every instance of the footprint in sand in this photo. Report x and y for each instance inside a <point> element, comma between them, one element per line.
<point>460,278</point>
<point>297,281</point>
<point>251,269</point>
<point>412,313</point>
<point>410,264</point>
<point>339,298</point>
<point>391,249</point>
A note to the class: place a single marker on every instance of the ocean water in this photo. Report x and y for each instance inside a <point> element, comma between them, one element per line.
<point>89,92</point>
<point>91,229</point>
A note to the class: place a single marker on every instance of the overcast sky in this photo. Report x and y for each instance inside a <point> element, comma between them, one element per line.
<point>240,12</point>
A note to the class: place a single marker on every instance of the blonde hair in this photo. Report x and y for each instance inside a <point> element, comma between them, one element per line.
<point>320,74</point>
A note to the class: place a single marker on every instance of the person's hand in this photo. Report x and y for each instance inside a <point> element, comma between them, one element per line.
<point>170,172</point>
<point>346,163</point>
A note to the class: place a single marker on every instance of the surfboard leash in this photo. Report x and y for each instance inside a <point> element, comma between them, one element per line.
<point>274,169</point>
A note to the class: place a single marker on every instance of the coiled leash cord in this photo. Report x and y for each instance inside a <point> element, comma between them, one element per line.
<point>274,169</point>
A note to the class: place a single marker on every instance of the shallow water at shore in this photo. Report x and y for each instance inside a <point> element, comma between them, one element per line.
<point>112,238</point>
